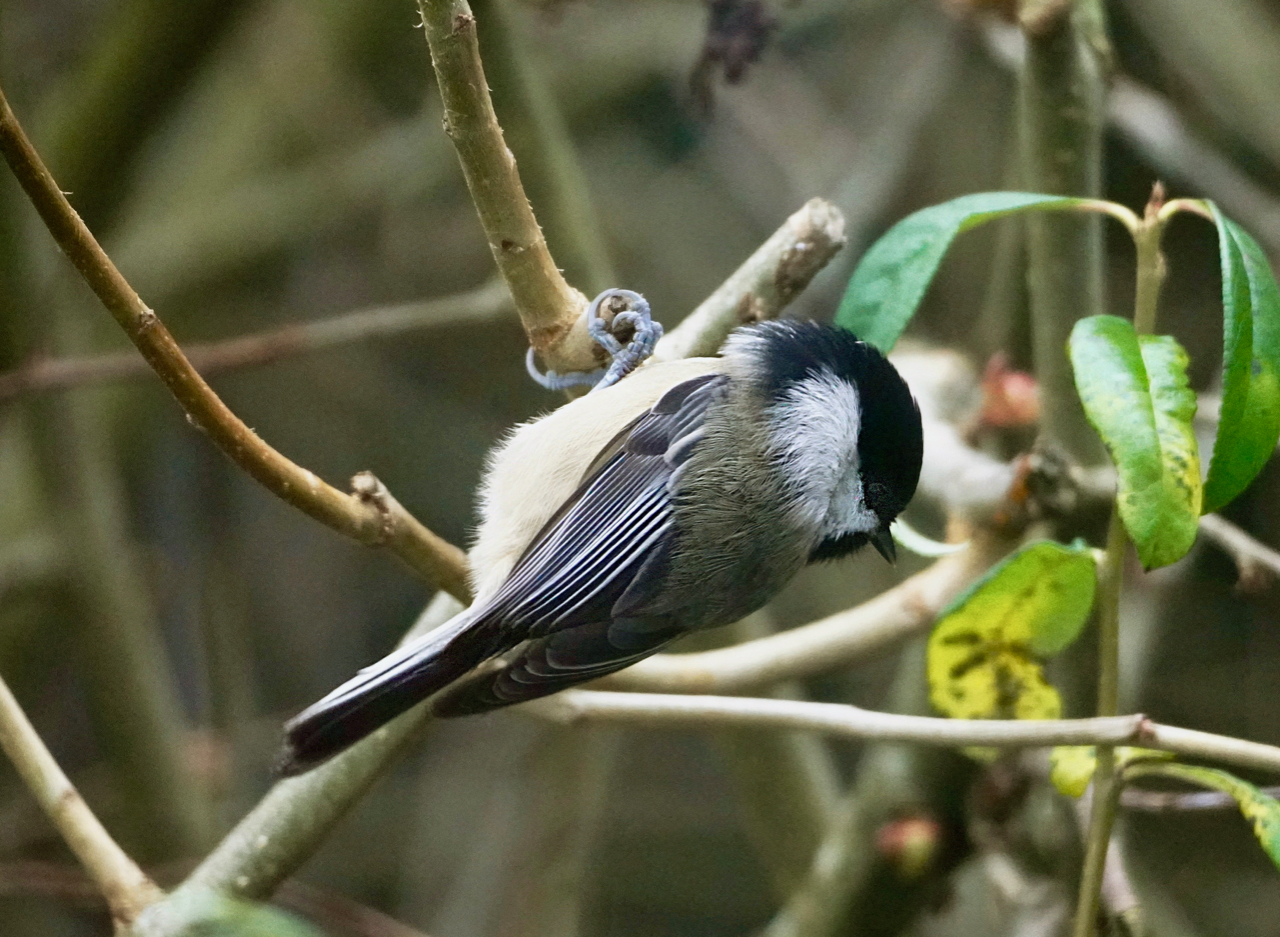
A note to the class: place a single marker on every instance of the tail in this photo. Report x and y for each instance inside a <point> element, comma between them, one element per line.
<point>382,691</point>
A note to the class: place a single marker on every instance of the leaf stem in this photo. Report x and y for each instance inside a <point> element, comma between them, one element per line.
<point>1106,784</point>
<point>1196,206</point>
<point>1151,265</point>
<point>1106,797</point>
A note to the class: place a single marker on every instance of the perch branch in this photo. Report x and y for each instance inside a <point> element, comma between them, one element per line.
<point>537,131</point>
<point>125,886</point>
<point>368,516</point>
<point>765,283</point>
<point>265,347</point>
<point>548,306</point>
<point>660,709</point>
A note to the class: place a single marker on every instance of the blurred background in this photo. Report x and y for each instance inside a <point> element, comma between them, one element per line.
<point>255,163</point>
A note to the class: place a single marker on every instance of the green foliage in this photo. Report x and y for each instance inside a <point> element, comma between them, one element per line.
<point>1072,766</point>
<point>886,288</point>
<point>1134,390</point>
<point>1250,422</point>
<point>985,652</point>
<point>1262,810</point>
<point>203,912</point>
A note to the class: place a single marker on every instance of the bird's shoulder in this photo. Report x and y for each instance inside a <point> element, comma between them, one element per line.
<point>541,464</point>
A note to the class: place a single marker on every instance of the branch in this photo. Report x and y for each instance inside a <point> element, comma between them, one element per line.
<point>1061,115</point>
<point>765,283</point>
<point>290,822</point>
<point>1134,798</point>
<point>1256,562</point>
<point>125,886</point>
<point>536,129</point>
<point>662,709</point>
<point>659,709</point>
<point>821,646</point>
<point>548,306</point>
<point>371,517</point>
<point>265,347</point>
<point>338,915</point>
<point>1152,126</point>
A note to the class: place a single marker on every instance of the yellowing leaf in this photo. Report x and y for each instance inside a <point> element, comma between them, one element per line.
<point>1072,766</point>
<point>985,651</point>
<point>1262,810</point>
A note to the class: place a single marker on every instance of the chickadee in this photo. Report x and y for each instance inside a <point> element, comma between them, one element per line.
<point>681,498</point>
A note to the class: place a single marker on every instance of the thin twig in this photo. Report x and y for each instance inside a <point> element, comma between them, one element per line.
<point>548,306</point>
<point>1118,895</point>
<point>1155,128</point>
<point>125,886</point>
<point>765,283</point>
<point>265,347</point>
<point>370,517</point>
<point>291,821</point>
<point>1135,798</point>
<point>663,709</point>
<point>573,706</point>
<point>338,915</point>
<point>818,647</point>
<point>1255,561</point>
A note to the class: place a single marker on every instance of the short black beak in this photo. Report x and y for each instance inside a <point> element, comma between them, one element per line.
<point>882,540</point>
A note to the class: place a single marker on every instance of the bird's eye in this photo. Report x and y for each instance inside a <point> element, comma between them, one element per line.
<point>879,498</point>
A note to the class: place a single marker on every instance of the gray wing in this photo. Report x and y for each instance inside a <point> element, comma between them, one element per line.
<point>577,595</point>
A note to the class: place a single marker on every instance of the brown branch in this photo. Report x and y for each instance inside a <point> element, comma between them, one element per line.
<point>765,283</point>
<point>548,306</point>
<point>336,914</point>
<point>265,347</point>
<point>125,886</point>
<point>372,521</point>
<point>1257,563</point>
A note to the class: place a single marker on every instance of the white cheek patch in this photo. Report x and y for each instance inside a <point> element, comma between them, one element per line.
<point>815,437</point>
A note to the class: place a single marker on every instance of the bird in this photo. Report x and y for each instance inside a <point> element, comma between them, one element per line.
<point>683,497</point>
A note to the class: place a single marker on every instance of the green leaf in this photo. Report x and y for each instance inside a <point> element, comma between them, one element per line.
<point>1134,390</point>
<point>985,651</point>
<point>196,911</point>
<point>1250,422</point>
<point>892,276</point>
<point>1073,765</point>
<point>1262,810</point>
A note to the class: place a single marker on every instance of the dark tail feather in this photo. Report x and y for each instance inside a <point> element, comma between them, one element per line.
<point>382,691</point>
